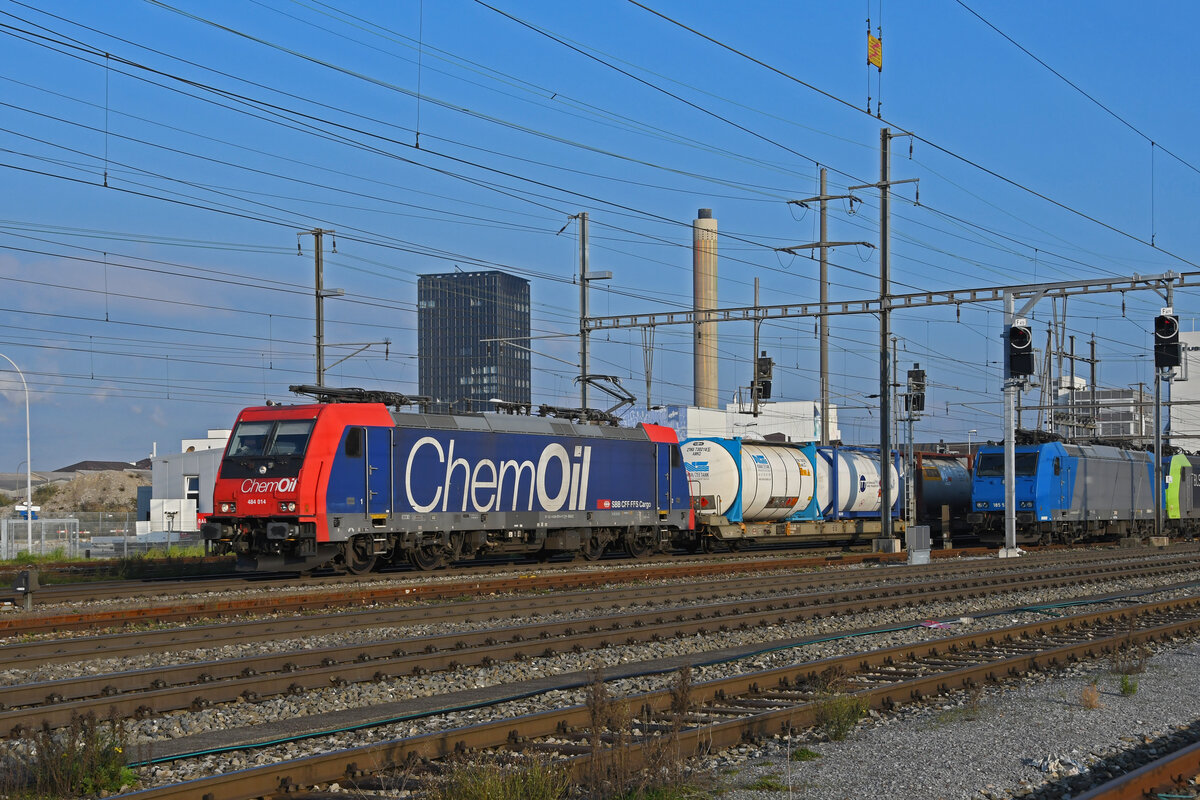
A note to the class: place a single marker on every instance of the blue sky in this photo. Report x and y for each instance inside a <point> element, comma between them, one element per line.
<point>432,135</point>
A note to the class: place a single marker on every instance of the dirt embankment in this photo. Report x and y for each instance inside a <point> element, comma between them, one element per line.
<point>90,491</point>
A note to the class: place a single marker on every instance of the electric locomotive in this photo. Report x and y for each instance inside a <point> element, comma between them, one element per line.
<point>1065,492</point>
<point>350,483</point>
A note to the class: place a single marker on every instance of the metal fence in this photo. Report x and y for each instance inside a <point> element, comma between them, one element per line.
<point>41,537</point>
<point>87,534</point>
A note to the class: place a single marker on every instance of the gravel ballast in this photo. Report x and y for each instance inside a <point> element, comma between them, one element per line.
<point>1008,742</point>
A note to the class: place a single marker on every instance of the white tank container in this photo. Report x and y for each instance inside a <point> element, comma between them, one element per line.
<point>858,485</point>
<point>773,481</point>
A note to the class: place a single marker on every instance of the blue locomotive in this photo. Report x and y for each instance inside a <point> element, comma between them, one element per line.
<point>1065,492</point>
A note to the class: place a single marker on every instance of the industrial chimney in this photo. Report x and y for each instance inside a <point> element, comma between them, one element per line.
<point>704,296</point>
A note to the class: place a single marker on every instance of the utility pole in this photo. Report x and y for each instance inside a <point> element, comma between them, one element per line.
<point>1071,420</point>
<point>1011,387</point>
<point>1095,408</point>
<point>583,309</point>
<point>321,292</point>
<point>585,278</point>
<point>754,385</point>
<point>885,330</point>
<point>823,320</point>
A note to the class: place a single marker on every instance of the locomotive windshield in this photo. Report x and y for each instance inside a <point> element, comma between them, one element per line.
<point>991,465</point>
<point>285,437</point>
<point>267,448</point>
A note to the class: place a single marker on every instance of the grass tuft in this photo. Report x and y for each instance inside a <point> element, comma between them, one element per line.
<point>803,754</point>
<point>767,783</point>
<point>837,715</point>
<point>85,758</point>
<point>534,781</point>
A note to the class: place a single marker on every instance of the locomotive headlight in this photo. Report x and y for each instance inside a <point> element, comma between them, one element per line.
<point>981,504</point>
<point>228,508</point>
<point>286,506</point>
<point>262,470</point>
<point>1026,504</point>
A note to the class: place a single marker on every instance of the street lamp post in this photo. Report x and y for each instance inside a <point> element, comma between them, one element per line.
<point>28,462</point>
<point>970,461</point>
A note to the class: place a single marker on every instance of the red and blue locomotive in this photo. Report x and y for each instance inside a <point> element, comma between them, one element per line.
<point>350,483</point>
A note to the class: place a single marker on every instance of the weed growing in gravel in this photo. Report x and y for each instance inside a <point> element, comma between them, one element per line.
<point>829,681</point>
<point>613,726</point>
<point>1090,698</point>
<point>1129,686</point>
<point>535,781</point>
<point>1130,659</point>
<point>767,783</point>
<point>972,709</point>
<point>671,793</point>
<point>85,758</point>
<point>838,715</point>
<point>803,754</point>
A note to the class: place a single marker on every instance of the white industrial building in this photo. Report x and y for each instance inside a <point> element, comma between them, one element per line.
<point>795,421</point>
<point>1185,394</point>
<point>182,483</point>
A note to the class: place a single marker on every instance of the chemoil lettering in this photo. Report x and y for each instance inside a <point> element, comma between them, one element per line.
<point>251,486</point>
<point>556,481</point>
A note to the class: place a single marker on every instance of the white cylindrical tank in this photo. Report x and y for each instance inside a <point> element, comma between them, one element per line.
<point>857,481</point>
<point>772,481</point>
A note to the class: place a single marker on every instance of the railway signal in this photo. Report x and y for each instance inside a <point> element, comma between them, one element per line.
<point>914,401</point>
<point>763,370</point>
<point>1019,342</point>
<point>1166,340</point>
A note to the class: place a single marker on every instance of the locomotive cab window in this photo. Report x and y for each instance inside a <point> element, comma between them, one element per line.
<point>991,465</point>
<point>291,437</point>
<point>354,443</point>
<point>250,438</point>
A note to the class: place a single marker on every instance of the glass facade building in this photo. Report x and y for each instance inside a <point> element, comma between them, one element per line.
<point>457,314</point>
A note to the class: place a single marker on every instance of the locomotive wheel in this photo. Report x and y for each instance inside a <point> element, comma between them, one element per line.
<point>592,549</point>
<point>709,545</point>
<point>427,558</point>
<point>358,556</point>
<point>636,547</point>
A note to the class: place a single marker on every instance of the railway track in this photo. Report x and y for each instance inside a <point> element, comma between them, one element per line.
<point>144,588</point>
<point>144,693</point>
<point>723,712</point>
<point>489,605</point>
<point>766,602</point>
<point>1176,775</point>
<point>357,593</point>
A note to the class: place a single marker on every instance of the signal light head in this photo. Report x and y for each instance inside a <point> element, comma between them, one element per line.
<point>1167,352</point>
<point>1166,326</point>
<point>1020,350</point>
<point>1020,337</point>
